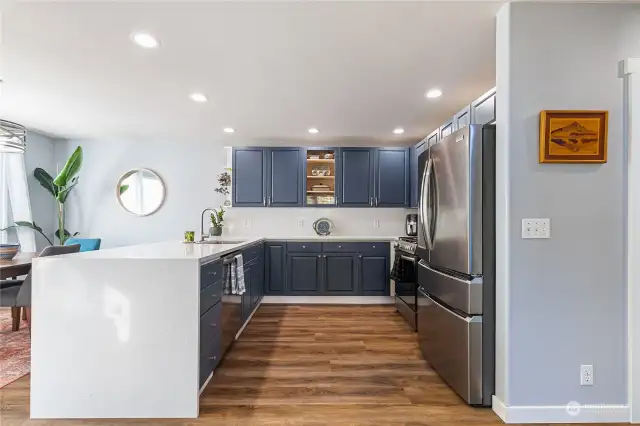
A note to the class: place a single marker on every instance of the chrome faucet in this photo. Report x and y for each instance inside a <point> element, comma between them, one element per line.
<point>201,225</point>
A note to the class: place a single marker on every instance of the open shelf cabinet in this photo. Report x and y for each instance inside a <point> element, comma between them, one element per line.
<point>321,177</point>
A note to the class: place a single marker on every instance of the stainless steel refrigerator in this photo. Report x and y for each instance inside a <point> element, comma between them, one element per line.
<point>456,273</point>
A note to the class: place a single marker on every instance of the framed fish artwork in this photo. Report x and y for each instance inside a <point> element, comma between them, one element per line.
<point>573,136</point>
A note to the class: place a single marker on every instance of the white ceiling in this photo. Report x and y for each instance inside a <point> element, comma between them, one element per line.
<point>355,70</point>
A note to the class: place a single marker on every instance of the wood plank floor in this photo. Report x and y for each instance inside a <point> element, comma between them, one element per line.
<point>311,365</point>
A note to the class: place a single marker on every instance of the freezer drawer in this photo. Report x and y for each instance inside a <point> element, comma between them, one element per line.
<point>452,345</point>
<point>462,294</point>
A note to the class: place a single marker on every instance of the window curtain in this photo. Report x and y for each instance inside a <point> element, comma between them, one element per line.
<point>14,200</point>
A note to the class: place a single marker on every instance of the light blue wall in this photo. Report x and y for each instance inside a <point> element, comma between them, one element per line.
<point>40,153</point>
<point>561,301</point>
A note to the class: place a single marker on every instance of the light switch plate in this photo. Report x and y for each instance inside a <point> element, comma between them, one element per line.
<point>301,222</point>
<point>536,228</point>
<point>247,223</point>
<point>376,223</point>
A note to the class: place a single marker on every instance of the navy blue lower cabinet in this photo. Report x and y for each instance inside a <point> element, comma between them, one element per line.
<point>374,275</point>
<point>246,296</point>
<point>339,273</point>
<point>210,349</point>
<point>392,177</point>
<point>257,280</point>
<point>275,267</point>
<point>303,273</point>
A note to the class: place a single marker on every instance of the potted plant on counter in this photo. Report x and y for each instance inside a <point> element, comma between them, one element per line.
<point>217,217</point>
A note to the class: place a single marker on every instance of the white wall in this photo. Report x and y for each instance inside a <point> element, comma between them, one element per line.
<point>40,153</point>
<point>561,302</point>
<point>189,170</point>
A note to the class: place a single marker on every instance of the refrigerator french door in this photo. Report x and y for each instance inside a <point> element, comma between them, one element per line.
<point>456,273</point>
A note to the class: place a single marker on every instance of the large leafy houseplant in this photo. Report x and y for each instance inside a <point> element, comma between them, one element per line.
<point>59,188</point>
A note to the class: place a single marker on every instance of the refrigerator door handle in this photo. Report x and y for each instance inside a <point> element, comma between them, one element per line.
<point>422,210</point>
<point>428,196</point>
<point>434,204</point>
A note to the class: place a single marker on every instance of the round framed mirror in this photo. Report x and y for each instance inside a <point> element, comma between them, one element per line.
<point>140,192</point>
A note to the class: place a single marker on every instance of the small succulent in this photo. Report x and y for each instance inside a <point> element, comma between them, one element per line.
<point>217,217</point>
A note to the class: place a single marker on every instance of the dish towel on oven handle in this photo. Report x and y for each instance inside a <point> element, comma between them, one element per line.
<point>235,279</point>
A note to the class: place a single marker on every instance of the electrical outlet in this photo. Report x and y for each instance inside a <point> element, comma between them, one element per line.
<point>586,375</point>
<point>536,228</point>
<point>247,223</point>
<point>301,222</point>
<point>376,223</point>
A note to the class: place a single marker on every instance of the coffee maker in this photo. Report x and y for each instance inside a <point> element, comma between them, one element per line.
<point>411,225</point>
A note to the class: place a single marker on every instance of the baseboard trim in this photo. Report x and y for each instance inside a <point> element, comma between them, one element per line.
<point>329,300</point>
<point>570,413</point>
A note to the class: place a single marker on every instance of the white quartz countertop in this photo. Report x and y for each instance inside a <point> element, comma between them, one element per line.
<point>176,250</point>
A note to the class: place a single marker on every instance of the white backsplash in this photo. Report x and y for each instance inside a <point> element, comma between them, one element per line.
<point>283,222</point>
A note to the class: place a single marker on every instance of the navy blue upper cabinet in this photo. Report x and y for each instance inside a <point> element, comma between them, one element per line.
<point>249,187</point>
<point>285,167</point>
<point>392,177</point>
<point>356,180</point>
<point>483,109</point>
<point>415,152</point>
<point>267,177</point>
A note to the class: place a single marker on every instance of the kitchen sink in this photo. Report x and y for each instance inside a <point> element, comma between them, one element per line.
<point>219,242</point>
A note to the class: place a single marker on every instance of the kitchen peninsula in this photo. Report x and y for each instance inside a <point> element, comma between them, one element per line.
<point>107,324</point>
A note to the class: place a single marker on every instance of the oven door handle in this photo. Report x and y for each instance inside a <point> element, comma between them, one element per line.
<point>407,258</point>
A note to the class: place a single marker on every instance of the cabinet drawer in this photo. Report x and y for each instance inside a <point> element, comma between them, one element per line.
<point>210,273</point>
<point>210,356</point>
<point>375,247</point>
<point>251,253</point>
<point>210,296</point>
<point>304,247</point>
<point>339,247</point>
<point>210,323</point>
<point>364,248</point>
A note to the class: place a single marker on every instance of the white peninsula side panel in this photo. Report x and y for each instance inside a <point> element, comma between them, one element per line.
<point>114,337</point>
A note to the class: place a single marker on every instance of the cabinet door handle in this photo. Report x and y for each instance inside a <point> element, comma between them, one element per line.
<point>370,201</point>
<point>376,201</point>
<point>304,246</point>
<point>360,256</point>
<point>269,201</point>
<point>213,324</point>
<point>374,246</point>
<point>213,357</point>
<point>212,273</point>
<point>264,201</point>
<point>339,246</point>
<point>319,256</point>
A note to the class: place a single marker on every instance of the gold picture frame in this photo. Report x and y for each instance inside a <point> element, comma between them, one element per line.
<point>573,136</point>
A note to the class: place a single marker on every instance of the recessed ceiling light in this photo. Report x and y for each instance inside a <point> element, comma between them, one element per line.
<point>398,131</point>
<point>313,130</point>
<point>433,93</point>
<point>198,97</point>
<point>145,40</point>
<point>229,130</point>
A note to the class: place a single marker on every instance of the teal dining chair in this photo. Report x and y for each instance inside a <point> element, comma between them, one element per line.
<point>86,244</point>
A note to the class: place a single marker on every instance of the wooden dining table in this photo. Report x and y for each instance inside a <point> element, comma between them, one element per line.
<point>19,265</point>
